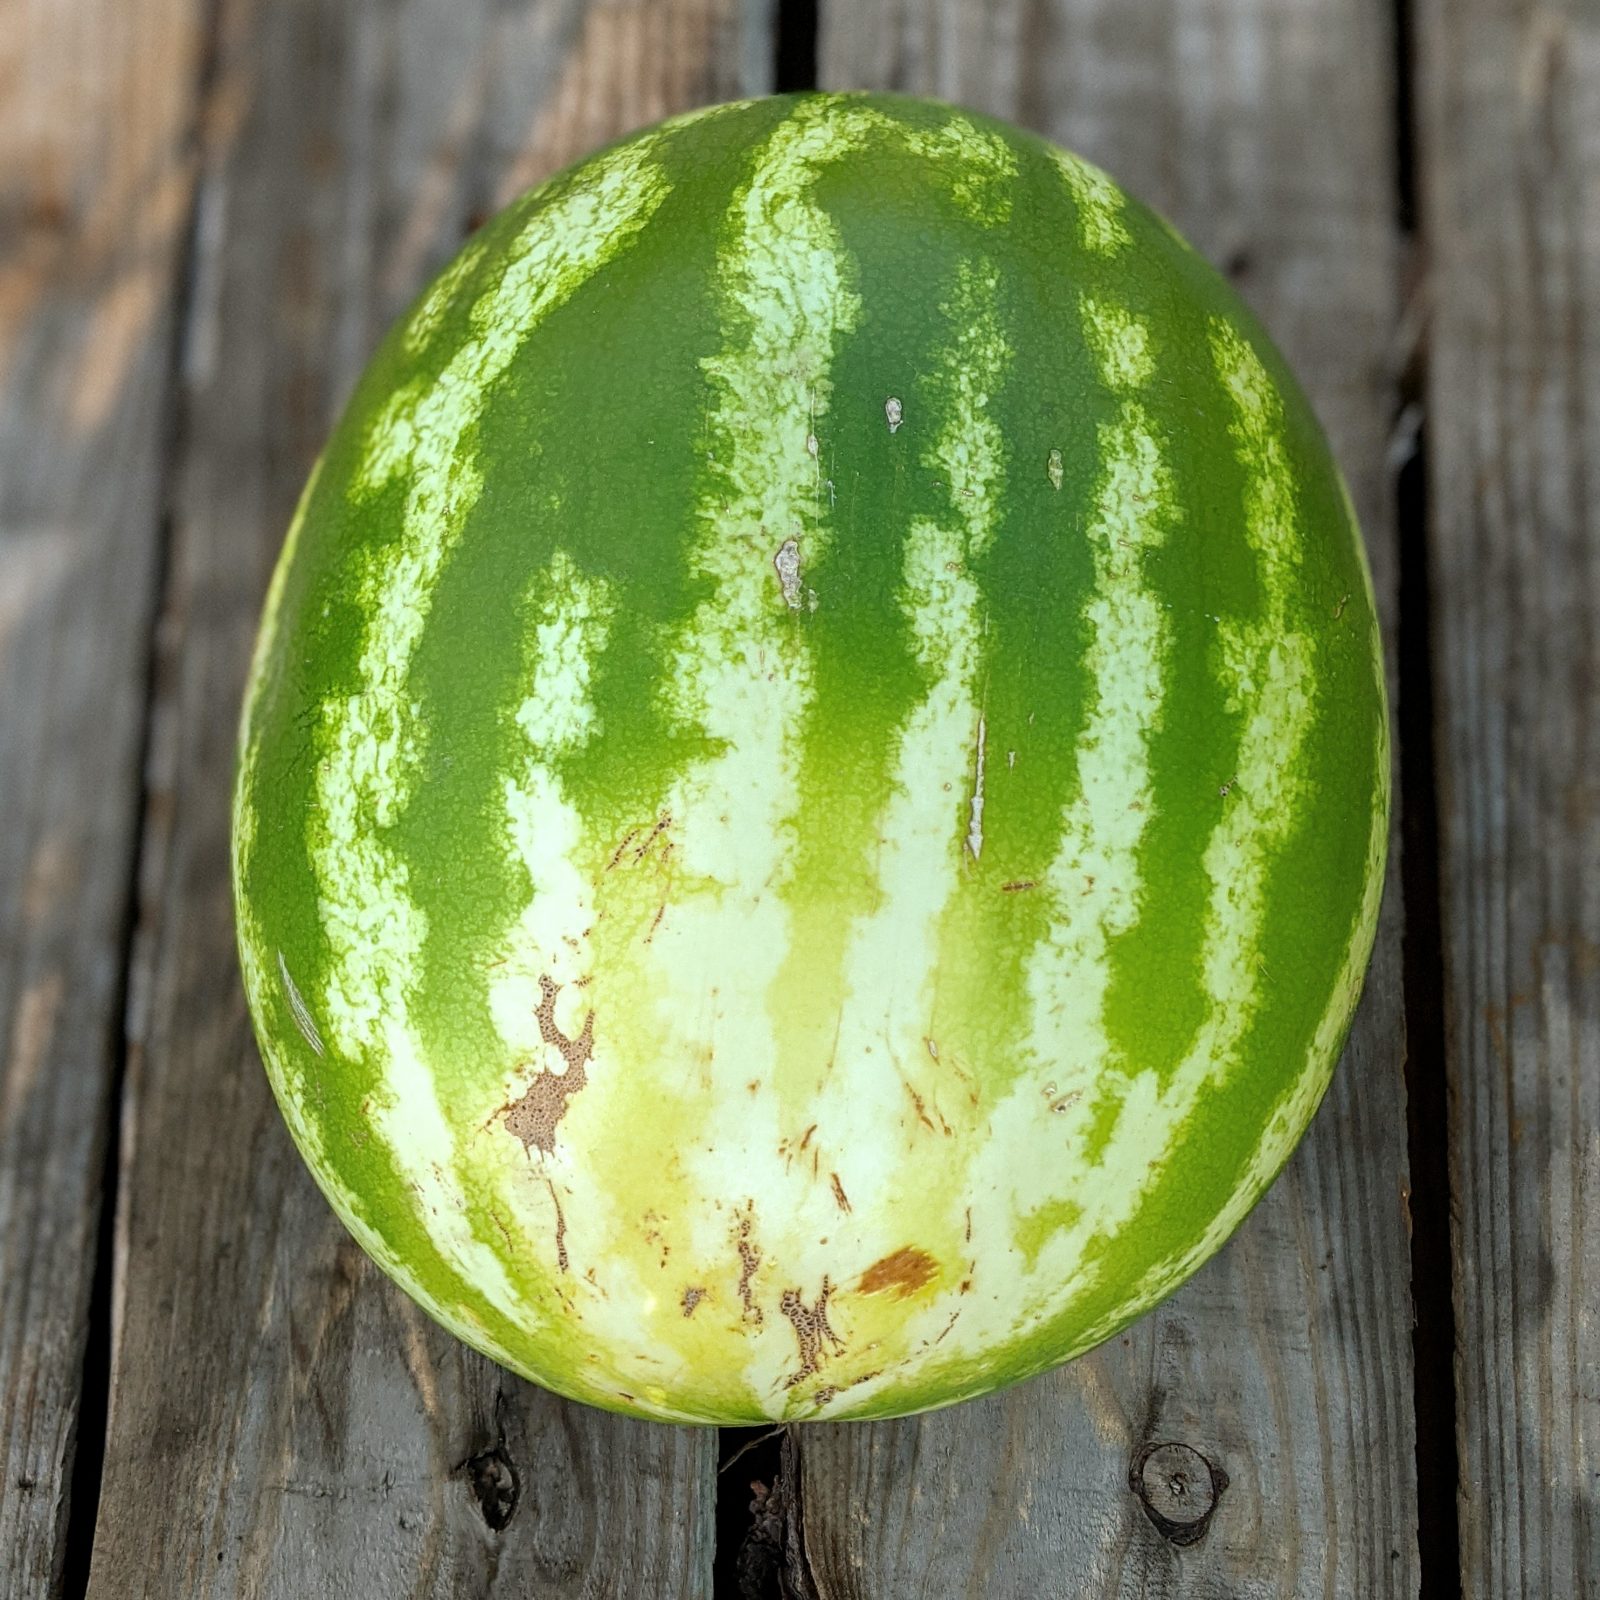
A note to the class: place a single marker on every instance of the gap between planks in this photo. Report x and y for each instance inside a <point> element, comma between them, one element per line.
<point>94,1388</point>
<point>1422,951</point>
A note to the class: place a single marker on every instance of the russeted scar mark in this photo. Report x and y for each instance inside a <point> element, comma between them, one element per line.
<point>749,1261</point>
<point>533,1117</point>
<point>811,1329</point>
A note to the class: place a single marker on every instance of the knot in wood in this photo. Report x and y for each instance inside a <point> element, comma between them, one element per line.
<point>492,1477</point>
<point>1179,1489</point>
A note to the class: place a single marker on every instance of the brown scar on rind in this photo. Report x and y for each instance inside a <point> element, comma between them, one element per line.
<point>692,1298</point>
<point>838,1192</point>
<point>830,1392</point>
<point>654,1236</point>
<point>811,1329</point>
<point>749,1260</point>
<point>617,854</point>
<point>921,1105</point>
<point>534,1116</point>
<point>663,822</point>
<point>903,1273</point>
<point>561,1226</point>
<point>1018,885</point>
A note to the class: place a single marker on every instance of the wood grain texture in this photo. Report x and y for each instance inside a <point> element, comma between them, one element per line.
<point>283,1421</point>
<point>94,185</point>
<point>1264,129</point>
<point>1510,134</point>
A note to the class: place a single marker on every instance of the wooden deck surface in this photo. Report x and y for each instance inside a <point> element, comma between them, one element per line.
<point>1387,1385</point>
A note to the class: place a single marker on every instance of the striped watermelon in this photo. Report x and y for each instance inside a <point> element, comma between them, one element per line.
<point>814,789</point>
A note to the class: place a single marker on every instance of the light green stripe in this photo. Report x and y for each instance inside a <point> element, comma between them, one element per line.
<point>892,955</point>
<point>1295,1110</point>
<point>1094,878</point>
<point>1099,202</point>
<point>368,742</point>
<point>572,620</point>
<point>979,165</point>
<point>441,295</point>
<point>265,974</point>
<point>1266,671</point>
<point>243,832</point>
<point>741,677</point>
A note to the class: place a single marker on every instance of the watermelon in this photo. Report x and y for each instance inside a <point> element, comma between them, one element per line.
<point>813,792</point>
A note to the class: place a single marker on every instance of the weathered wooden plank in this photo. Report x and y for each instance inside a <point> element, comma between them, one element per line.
<point>1510,135</point>
<point>94,188</point>
<point>1263,127</point>
<point>283,1422</point>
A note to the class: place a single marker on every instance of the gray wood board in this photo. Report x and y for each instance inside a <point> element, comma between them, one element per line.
<point>283,1421</point>
<point>1510,137</point>
<point>1264,128</point>
<point>93,194</point>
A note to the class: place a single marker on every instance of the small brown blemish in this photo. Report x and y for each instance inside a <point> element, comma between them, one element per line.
<point>631,844</point>
<point>617,854</point>
<point>811,1329</point>
<point>838,1192</point>
<point>830,1392</point>
<point>663,822</point>
<point>561,1227</point>
<point>1018,885</point>
<point>654,1236</point>
<point>805,1138</point>
<point>661,911</point>
<point>904,1272</point>
<point>921,1105</point>
<point>692,1298</point>
<point>500,1223</point>
<point>534,1116</point>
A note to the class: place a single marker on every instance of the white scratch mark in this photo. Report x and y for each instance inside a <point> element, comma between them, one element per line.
<point>787,561</point>
<point>298,1009</point>
<point>975,826</point>
<point>895,412</point>
<point>1054,469</point>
